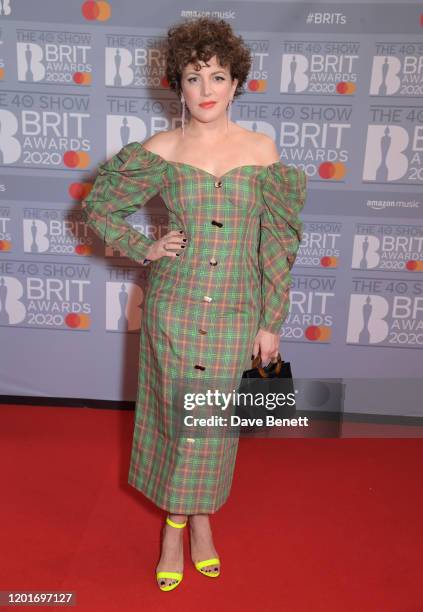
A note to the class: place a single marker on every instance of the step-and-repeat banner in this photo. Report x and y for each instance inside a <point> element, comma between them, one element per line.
<point>339,88</point>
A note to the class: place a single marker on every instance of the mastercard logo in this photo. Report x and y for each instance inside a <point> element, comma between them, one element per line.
<point>83,249</point>
<point>82,78</point>
<point>5,245</point>
<point>79,191</point>
<point>413,265</point>
<point>318,333</point>
<point>332,171</point>
<point>257,85</point>
<point>76,159</point>
<point>96,10</point>
<point>77,321</point>
<point>1,73</point>
<point>329,262</point>
<point>346,88</point>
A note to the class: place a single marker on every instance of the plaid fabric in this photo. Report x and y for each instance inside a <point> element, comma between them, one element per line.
<point>248,222</point>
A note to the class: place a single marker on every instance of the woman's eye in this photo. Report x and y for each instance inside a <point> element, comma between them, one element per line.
<point>190,79</point>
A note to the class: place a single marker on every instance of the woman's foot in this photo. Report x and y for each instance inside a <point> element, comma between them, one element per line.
<point>172,554</point>
<point>201,540</point>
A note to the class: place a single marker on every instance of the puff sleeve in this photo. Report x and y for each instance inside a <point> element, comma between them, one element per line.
<point>125,182</point>
<point>281,231</point>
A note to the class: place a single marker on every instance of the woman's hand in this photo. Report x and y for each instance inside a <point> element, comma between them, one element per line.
<point>175,239</point>
<point>268,345</point>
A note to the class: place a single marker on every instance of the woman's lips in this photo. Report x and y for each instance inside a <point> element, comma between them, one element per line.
<point>207,104</point>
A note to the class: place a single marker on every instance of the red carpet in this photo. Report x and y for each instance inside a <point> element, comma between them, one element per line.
<point>311,524</point>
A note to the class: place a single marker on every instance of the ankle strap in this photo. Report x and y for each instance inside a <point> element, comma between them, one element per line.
<point>177,525</point>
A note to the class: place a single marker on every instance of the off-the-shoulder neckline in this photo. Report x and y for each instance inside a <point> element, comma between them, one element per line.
<point>215,178</point>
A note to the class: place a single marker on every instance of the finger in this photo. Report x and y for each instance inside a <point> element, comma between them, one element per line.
<point>173,243</point>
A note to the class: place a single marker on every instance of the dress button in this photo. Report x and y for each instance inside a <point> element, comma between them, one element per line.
<point>202,331</point>
<point>213,261</point>
<point>207,298</point>
<point>199,367</point>
<point>218,184</point>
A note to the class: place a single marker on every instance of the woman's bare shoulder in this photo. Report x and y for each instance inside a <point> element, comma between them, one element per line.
<point>265,146</point>
<point>161,143</point>
<point>265,150</point>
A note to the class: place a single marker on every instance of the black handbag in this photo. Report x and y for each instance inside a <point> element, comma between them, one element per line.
<point>263,383</point>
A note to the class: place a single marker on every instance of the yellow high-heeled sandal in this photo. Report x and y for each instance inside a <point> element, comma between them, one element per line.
<point>212,574</point>
<point>173,575</point>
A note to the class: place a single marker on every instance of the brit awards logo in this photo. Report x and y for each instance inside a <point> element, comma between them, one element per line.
<point>386,312</point>
<point>388,247</point>
<point>6,240</point>
<point>318,137</point>
<point>124,298</point>
<point>123,129</point>
<point>56,232</point>
<point>134,61</point>
<point>48,130</point>
<point>154,225</point>
<point>393,150</point>
<point>321,244</point>
<point>322,68</point>
<point>2,62</point>
<point>397,70</point>
<point>5,7</point>
<point>311,312</point>
<point>54,57</point>
<point>259,73</point>
<point>45,295</point>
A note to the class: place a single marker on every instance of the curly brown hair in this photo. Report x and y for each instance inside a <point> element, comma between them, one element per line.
<point>199,40</point>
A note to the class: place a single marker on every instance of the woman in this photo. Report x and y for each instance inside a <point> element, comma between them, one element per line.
<point>218,289</point>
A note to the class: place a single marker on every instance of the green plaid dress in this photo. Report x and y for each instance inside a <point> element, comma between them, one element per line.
<point>201,310</point>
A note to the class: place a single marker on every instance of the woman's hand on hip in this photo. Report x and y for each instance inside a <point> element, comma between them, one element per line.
<point>169,245</point>
<point>268,345</point>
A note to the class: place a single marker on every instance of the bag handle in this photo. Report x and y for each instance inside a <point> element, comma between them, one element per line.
<point>262,371</point>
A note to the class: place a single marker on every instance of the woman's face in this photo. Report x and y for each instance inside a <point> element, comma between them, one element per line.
<point>211,83</point>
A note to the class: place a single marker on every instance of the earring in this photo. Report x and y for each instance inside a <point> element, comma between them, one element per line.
<point>228,114</point>
<point>183,115</point>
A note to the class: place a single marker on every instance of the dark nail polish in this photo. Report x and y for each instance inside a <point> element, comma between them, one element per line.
<point>177,254</point>
<point>183,246</point>
<point>184,239</point>
<point>181,231</point>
